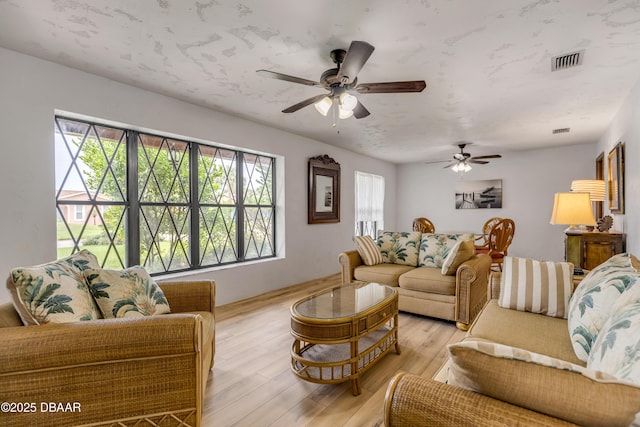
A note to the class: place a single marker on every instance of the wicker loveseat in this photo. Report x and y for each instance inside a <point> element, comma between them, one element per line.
<point>412,262</point>
<point>517,367</point>
<point>128,371</point>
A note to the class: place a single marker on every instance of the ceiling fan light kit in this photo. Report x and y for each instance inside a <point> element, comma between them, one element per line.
<point>461,161</point>
<point>341,82</point>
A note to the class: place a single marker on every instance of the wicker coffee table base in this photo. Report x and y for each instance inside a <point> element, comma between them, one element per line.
<point>330,351</point>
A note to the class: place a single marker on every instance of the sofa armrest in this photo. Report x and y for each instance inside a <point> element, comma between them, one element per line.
<point>412,400</point>
<point>104,371</point>
<point>348,262</point>
<point>57,345</point>
<point>494,285</point>
<point>189,296</point>
<point>471,288</point>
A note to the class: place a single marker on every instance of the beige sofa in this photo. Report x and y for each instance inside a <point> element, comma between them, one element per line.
<point>111,371</point>
<point>425,290</point>
<point>532,375</point>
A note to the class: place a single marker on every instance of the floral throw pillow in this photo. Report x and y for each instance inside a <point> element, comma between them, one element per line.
<point>593,301</point>
<point>399,247</point>
<point>54,292</point>
<point>434,248</point>
<point>616,350</point>
<point>126,293</point>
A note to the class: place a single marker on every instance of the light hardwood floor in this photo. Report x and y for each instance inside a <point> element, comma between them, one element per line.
<point>252,384</point>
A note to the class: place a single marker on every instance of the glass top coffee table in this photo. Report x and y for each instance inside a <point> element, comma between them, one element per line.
<point>339,333</point>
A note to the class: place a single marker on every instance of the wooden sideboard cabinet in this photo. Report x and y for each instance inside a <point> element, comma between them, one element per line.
<point>588,250</point>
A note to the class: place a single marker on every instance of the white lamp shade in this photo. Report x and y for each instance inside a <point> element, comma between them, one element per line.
<point>595,187</point>
<point>324,105</point>
<point>344,114</point>
<point>573,209</point>
<point>348,101</point>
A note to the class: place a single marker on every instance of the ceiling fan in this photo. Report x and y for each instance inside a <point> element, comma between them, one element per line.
<point>342,84</point>
<point>461,161</point>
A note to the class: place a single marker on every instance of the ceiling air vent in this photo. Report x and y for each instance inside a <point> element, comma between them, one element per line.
<point>560,130</point>
<point>567,61</point>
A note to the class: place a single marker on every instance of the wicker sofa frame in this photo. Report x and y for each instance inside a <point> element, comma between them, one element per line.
<point>125,372</point>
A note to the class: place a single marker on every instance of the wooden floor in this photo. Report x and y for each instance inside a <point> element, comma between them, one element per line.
<point>252,384</point>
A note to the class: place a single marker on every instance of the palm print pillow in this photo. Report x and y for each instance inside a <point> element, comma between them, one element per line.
<point>126,293</point>
<point>399,247</point>
<point>593,301</point>
<point>54,292</point>
<point>616,351</point>
<point>434,248</point>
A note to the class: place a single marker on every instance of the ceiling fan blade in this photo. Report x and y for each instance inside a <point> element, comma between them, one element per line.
<point>287,78</point>
<point>436,161</point>
<point>303,104</point>
<point>360,112</point>
<point>451,165</point>
<point>480,162</point>
<point>357,55</point>
<point>392,87</point>
<point>492,156</point>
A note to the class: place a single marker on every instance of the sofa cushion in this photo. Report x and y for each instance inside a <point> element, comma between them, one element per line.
<point>54,292</point>
<point>434,248</point>
<point>368,250</point>
<point>529,331</point>
<point>126,293</point>
<point>387,274</point>
<point>593,299</point>
<point>543,384</point>
<point>428,279</point>
<point>536,286</point>
<point>462,251</point>
<point>399,247</point>
<point>616,351</point>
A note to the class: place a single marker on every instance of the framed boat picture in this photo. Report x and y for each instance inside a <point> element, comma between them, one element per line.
<point>482,194</point>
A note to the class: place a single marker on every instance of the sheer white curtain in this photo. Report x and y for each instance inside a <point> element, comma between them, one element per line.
<point>369,203</point>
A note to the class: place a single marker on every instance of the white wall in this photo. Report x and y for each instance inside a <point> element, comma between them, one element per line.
<point>529,181</point>
<point>625,127</point>
<point>32,90</point>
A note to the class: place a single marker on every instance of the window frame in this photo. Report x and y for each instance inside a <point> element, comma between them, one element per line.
<point>132,203</point>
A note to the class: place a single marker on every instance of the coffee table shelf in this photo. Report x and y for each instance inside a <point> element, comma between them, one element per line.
<point>339,333</point>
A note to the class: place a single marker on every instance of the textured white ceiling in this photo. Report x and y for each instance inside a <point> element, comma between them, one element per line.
<point>487,63</point>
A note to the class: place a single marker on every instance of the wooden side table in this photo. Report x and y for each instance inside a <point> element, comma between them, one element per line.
<point>588,250</point>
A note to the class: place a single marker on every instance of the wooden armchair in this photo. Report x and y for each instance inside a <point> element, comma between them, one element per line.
<point>482,245</point>
<point>500,239</point>
<point>423,225</point>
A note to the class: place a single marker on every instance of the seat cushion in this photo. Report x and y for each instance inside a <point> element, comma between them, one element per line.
<point>540,334</point>
<point>387,274</point>
<point>428,279</point>
<point>543,384</point>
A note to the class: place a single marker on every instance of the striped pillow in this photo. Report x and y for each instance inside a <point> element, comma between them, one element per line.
<point>368,250</point>
<point>542,287</point>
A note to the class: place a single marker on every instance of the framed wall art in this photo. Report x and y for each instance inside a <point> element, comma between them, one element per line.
<point>484,194</point>
<point>324,190</point>
<point>615,179</point>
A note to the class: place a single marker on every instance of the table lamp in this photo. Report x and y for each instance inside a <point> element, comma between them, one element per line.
<point>595,187</point>
<point>573,209</point>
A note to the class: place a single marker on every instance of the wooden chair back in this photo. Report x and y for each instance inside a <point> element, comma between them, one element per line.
<point>482,244</point>
<point>500,239</point>
<point>423,225</point>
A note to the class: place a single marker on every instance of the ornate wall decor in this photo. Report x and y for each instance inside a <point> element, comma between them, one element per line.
<point>616,179</point>
<point>324,190</point>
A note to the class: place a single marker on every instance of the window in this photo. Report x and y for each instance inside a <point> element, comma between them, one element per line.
<point>166,204</point>
<point>369,204</point>
<point>79,212</point>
